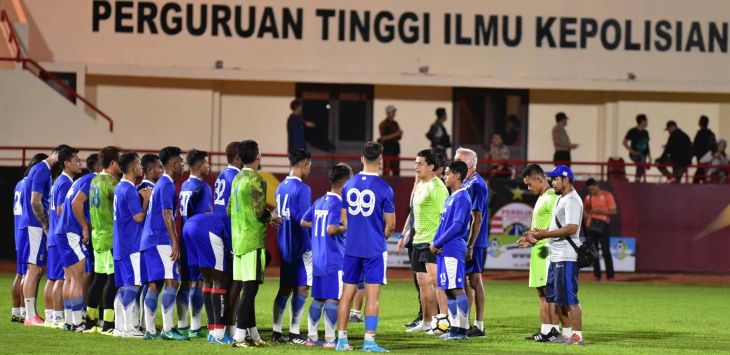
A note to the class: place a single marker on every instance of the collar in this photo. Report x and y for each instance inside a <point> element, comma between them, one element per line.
<point>167,176</point>
<point>247,169</point>
<point>194,177</point>
<point>47,165</point>
<point>330,193</point>
<point>63,173</point>
<point>127,181</point>
<point>233,167</point>
<point>368,173</point>
<point>293,177</point>
<point>459,190</point>
<point>147,181</point>
<point>104,173</point>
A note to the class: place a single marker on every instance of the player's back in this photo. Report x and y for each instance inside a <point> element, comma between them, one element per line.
<point>223,188</point>
<point>327,250</point>
<point>195,198</point>
<point>68,222</point>
<point>127,231</point>
<point>367,199</point>
<point>293,198</point>
<point>163,197</point>
<point>38,180</point>
<point>479,195</point>
<point>58,194</point>
<point>101,197</point>
<point>18,204</point>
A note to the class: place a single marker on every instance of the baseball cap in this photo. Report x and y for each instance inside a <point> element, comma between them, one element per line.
<point>560,170</point>
<point>670,124</point>
<point>390,108</point>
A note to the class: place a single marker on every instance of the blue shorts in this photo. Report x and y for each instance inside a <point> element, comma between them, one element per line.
<point>298,273</point>
<point>71,249</point>
<point>35,249</point>
<point>450,272</point>
<point>210,249</point>
<point>476,265</point>
<point>128,270</point>
<point>371,270</point>
<point>158,265</point>
<point>54,271</point>
<point>562,283</point>
<point>328,287</point>
<point>21,260</point>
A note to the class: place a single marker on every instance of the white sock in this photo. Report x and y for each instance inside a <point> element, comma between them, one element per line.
<point>463,318</point>
<point>545,328</point>
<point>149,320</point>
<point>254,334</point>
<point>479,324</point>
<point>312,327</point>
<point>369,336</point>
<point>579,333</point>
<point>218,333</point>
<point>49,315</point>
<point>195,319</point>
<point>231,330</point>
<point>295,319</point>
<point>119,319</point>
<point>556,326</point>
<point>240,334</point>
<point>567,332</point>
<point>342,334</point>
<point>57,317</point>
<point>278,317</point>
<point>329,329</point>
<point>182,315</point>
<point>168,316</point>
<point>30,308</point>
<point>68,316</point>
<point>22,312</point>
<point>131,319</point>
<point>76,317</point>
<point>16,311</point>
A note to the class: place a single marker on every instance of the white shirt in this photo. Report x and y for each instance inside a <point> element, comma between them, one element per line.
<point>569,210</point>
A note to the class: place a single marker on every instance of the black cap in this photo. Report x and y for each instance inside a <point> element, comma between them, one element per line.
<point>670,124</point>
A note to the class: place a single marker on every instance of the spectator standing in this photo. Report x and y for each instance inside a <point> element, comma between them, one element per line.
<point>390,135</point>
<point>497,155</point>
<point>636,142</point>
<point>440,140</point>
<point>718,171</point>
<point>561,140</point>
<point>295,125</point>
<point>704,143</point>
<point>677,153</point>
<point>599,207</point>
<point>513,131</point>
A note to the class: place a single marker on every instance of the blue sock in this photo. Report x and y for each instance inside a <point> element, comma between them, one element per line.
<point>330,313</point>
<point>315,311</point>
<point>371,323</point>
<point>129,295</point>
<point>76,304</point>
<point>67,304</point>
<point>196,299</point>
<point>297,303</point>
<point>281,301</point>
<point>452,309</point>
<point>462,305</point>
<point>150,300</point>
<point>168,298</point>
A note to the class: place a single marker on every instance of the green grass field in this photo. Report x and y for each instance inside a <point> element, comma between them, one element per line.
<point>625,318</point>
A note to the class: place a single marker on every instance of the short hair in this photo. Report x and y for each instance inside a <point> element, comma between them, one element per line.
<point>298,155</point>
<point>37,158</point>
<point>248,150</point>
<point>91,162</point>
<point>704,121</point>
<point>61,147</point>
<point>231,152</point>
<point>339,174</point>
<point>532,169</point>
<point>641,118</point>
<point>560,116</point>
<point>195,156</point>
<point>65,155</point>
<point>168,153</point>
<point>440,112</point>
<point>430,156</point>
<point>294,104</point>
<point>458,166</point>
<point>472,156</point>
<point>591,182</point>
<point>147,161</point>
<point>108,155</point>
<point>126,160</point>
<point>371,151</point>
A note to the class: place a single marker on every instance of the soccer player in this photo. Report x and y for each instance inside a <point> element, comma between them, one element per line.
<point>35,199</point>
<point>129,216</point>
<point>160,245</point>
<point>72,235</point>
<point>476,252</point>
<point>534,177</point>
<point>428,198</point>
<point>21,239</point>
<point>69,161</point>
<point>562,283</point>
<point>249,217</point>
<point>370,219</point>
<point>152,170</point>
<point>220,204</point>
<point>101,197</point>
<point>196,197</point>
<point>328,246</point>
<point>293,199</point>
<point>210,233</point>
<point>450,245</point>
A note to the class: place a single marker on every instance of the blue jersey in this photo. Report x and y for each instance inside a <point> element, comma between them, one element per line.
<point>38,180</point>
<point>453,231</point>
<point>368,198</point>
<point>479,195</point>
<point>18,210</point>
<point>58,196</point>
<point>67,220</point>
<point>145,184</point>
<point>328,251</point>
<point>127,231</point>
<point>293,198</point>
<point>216,223</point>
<point>164,197</point>
<point>223,188</point>
<point>196,197</point>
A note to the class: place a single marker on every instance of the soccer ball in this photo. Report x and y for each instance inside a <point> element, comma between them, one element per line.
<point>441,324</point>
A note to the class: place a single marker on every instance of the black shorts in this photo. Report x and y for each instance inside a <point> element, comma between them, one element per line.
<point>421,256</point>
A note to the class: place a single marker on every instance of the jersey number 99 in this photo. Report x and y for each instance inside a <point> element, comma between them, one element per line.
<point>360,202</point>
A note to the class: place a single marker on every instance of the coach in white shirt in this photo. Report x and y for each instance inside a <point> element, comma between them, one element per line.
<point>562,283</point>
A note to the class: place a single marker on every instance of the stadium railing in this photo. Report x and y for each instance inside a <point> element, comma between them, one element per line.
<point>38,71</point>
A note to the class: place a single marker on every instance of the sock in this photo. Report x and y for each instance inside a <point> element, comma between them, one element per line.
<point>556,326</point>
<point>196,307</point>
<point>451,305</point>
<point>371,323</point>
<point>49,315</point>
<point>330,320</point>
<point>567,332</point>
<point>297,309</point>
<point>168,309</point>
<point>182,300</point>
<point>77,304</point>
<point>57,316</point>
<point>279,308</point>
<point>208,304</point>
<point>119,320</point>
<point>142,295</point>
<point>150,311</point>
<point>16,311</point>
<point>108,318</point>
<point>342,334</point>
<point>369,337</point>
<point>315,313</point>
<point>129,308</point>
<point>30,308</point>
<point>462,305</point>
<point>110,302</point>
<point>22,312</point>
<point>479,324</point>
<point>92,314</point>
<point>67,312</point>
<point>231,329</point>
<point>579,333</point>
<point>240,334</point>
<point>219,298</point>
<point>254,334</point>
<point>545,328</point>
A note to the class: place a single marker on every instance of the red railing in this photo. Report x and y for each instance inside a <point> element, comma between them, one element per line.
<point>43,74</point>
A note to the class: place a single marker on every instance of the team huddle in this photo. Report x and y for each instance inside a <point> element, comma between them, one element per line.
<point>108,243</point>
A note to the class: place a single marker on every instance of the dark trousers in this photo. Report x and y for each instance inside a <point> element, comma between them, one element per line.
<point>391,165</point>
<point>561,157</point>
<point>677,169</point>
<point>700,176</point>
<point>640,161</point>
<point>601,241</point>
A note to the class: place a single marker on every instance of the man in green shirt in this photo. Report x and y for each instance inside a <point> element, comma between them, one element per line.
<point>249,217</point>
<point>534,178</point>
<point>101,210</point>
